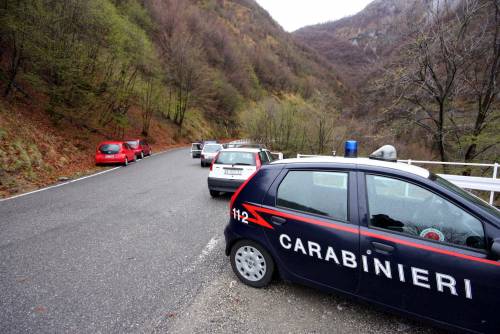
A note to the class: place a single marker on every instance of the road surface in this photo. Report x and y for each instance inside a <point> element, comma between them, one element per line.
<point>140,250</point>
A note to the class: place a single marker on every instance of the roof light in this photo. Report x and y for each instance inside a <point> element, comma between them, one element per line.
<point>351,149</point>
<point>386,153</point>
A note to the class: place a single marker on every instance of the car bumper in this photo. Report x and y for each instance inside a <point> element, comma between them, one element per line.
<point>109,161</point>
<point>207,160</point>
<point>231,237</point>
<point>195,154</point>
<point>224,185</point>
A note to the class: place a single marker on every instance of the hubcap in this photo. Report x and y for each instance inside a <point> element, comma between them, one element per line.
<point>250,263</point>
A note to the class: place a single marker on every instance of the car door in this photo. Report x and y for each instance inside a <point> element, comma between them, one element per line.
<point>315,231</point>
<point>144,147</point>
<point>129,152</point>
<point>425,254</point>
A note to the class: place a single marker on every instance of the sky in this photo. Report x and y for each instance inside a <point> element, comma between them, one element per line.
<point>295,14</point>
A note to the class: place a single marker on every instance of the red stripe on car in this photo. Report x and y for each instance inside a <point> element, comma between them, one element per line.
<point>254,210</point>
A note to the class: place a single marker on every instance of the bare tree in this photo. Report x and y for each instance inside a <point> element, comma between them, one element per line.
<point>434,56</point>
<point>482,74</point>
<point>186,72</point>
<point>148,105</point>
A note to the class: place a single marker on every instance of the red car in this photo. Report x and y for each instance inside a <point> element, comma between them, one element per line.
<point>140,147</point>
<point>114,152</point>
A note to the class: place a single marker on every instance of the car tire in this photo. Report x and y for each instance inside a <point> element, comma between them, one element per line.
<point>214,193</point>
<point>142,155</point>
<point>252,263</point>
<point>126,162</point>
<point>202,164</point>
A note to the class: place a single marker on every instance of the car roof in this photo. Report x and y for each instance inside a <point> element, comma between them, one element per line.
<point>360,162</point>
<point>132,139</point>
<point>242,149</point>
<point>111,142</point>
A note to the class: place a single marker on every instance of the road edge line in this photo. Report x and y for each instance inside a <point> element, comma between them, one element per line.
<point>79,179</point>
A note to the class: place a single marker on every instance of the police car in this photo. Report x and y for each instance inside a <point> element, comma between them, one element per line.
<point>385,232</point>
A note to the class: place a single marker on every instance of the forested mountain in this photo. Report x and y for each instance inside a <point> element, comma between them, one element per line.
<point>356,44</point>
<point>421,74</point>
<point>75,72</point>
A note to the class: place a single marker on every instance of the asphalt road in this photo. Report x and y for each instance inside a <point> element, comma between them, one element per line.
<point>140,250</point>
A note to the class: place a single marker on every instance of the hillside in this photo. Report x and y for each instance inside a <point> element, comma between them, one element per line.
<point>424,74</point>
<point>360,44</point>
<point>73,73</point>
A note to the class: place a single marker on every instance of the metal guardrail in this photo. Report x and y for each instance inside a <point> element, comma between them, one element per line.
<point>490,184</point>
<point>278,155</point>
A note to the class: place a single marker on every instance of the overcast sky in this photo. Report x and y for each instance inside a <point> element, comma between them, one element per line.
<point>295,14</point>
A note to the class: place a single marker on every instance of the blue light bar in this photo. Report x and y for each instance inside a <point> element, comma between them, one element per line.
<point>351,149</point>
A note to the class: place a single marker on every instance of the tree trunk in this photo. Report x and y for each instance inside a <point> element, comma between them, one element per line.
<point>15,64</point>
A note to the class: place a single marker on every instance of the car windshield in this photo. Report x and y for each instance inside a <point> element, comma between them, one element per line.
<point>109,148</point>
<point>133,143</point>
<point>236,158</point>
<point>196,146</point>
<point>459,191</point>
<point>211,148</point>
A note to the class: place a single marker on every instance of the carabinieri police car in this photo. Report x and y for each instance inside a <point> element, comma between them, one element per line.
<point>385,232</point>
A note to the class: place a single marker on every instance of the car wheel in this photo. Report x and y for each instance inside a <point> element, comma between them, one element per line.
<point>202,164</point>
<point>252,263</point>
<point>142,155</point>
<point>214,193</point>
<point>126,162</point>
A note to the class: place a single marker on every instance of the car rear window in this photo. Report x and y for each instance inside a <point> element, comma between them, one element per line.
<point>196,146</point>
<point>133,143</point>
<point>109,148</point>
<point>236,158</point>
<point>211,148</point>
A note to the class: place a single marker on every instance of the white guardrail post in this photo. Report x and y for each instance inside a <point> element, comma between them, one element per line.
<point>495,173</point>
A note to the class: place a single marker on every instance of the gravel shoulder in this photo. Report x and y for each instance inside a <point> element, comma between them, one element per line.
<point>225,305</point>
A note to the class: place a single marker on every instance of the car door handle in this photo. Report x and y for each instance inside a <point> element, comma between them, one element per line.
<point>278,220</point>
<point>382,248</point>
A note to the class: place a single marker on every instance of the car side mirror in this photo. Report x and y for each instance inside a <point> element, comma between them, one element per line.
<point>495,249</point>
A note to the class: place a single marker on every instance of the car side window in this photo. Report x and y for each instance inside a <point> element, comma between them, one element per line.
<point>317,192</point>
<point>404,207</point>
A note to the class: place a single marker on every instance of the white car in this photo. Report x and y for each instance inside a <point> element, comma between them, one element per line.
<point>208,153</point>
<point>233,166</point>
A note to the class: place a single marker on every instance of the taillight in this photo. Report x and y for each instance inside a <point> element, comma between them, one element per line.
<point>213,161</point>
<point>258,163</point>
<point>237,192</point>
